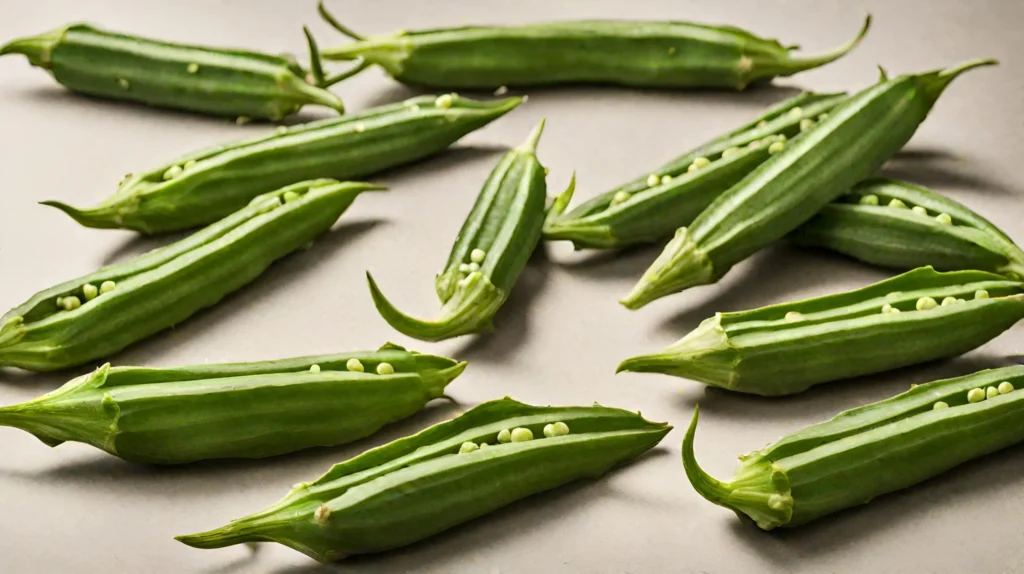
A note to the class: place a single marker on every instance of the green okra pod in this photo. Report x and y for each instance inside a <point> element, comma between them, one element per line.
<point>101,313</point>
<point>868,451</point>
<point>783,349</point>
<point>204,186</point>
<point>221,82</point>
<point>240,410</point>
<point>663,54</point>
<point>794,184</point>
<point>418,486</point>
<point>494,244</point>
<point>654,205</point>
<point>901,225</point>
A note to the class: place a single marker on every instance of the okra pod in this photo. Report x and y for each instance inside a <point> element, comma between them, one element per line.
<point>783,349</point>
<point>418,486</point>
<point>869,451</point>
<point>794,184</point>
<point>901,225</point>
<point>654,205</point>
<point>101,313</point>
<point>655,54</point>
<point>202,187</point>
<point>239,410</point>
<point>496,240</point>
<point>221,82</point>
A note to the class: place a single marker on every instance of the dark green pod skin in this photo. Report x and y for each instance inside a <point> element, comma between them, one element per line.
<point>505,223</point>
<point>652,213</point>
<point>215,182</point>
<point>902,239</point>
<point>165,286</point>
<point>840,336</point>
<point>234,83</point>
<point>796,183</point>
<point>868,451</point>
<point>241,410</point>
<point>419,486</point>
<point>620,52</point>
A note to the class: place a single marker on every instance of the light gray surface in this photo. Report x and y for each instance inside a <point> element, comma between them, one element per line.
<point>561,333</point>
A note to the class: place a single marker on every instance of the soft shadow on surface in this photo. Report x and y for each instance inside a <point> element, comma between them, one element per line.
<point>432,554</point>
<point>216,475</point>
<point>141,244</point>
<point>822,400</point>
<point>971,482</point>
<point>445,160</point>
<point>629,263</point>
<point>938,169</point>
<point>40,382</point>
<point>512,322</point>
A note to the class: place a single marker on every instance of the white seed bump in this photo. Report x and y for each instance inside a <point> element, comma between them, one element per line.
<point>385,369</point>
<point>730,151</point>
<point>314,368</point>
<point>939,405</point>
<point>360,128</point>
<point>504,436</point>
<point>322,514</point>
<point>1005,387</point>
<point>484,445</point>
<point>172,172</point>
<point>961,301</point>
<point>242,120</point>
<point>944,219</point>
<point>549,430</point>
<point>991,393</point>
<point>501,91</point>
<point>189,164</point>
<point>870,199</point>
<point>975,395</point>
<point>665,179</point>
<point>464,268</point>
<point>561,429</point>
<point>443,101</point>
<point>653,180</point>
<point>822,117</point>
<point>896,203</point>
<point>806,124</point>
<point>468,447</point>
<point>776,147</point>
<point>887,308</point>
<point>107,287</point>
<point>794,316</point>
<point>290,196</point>
<point>474,267</point>
<point>949,301</point>
<point>919,210</point>
<point>193,68</point>
<point>123,83</point>
<point>620,197</point>
<point>754,144</point>
<point>477,255</point>
<point>354,365</point>
<point>70,303</point>
<point>796,112</point>
<point>926,303</point>
<point>701,162</point>
<point>762,124</point>
<point>281,129</point>
<point>981,294</point>
<point>90,291</point>
<point>521,434</point>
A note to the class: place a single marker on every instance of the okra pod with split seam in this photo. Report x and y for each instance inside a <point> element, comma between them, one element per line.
<point>418,486</point>
<point>204,186</point>
<point>101,313</point>
<point>783,349</point>
<point>496,240</point>
<point>222,82</point>
<point>898,224</point>
<point>240,410</point>
<point>794,184</point>
<point>654,205</point>
<point>663,54</point>
<point>868,451</point>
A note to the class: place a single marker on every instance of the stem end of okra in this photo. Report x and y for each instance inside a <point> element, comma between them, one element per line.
<point>680,265</point>
<point>334,23</point>
<point>703,355</point>
<point>802,64</point>
<point>36,48</point>
<point>314,94</point>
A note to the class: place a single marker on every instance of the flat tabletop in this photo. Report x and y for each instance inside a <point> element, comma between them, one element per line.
<point>558,338</point>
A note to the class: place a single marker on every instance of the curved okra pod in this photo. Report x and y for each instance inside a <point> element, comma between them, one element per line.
<point>221,82</point>
<point>101,313</point>
<point>656,54</point>
<point>654,205</point>
<point>783,349</point>
<point>898,224</point>
<point>791,187</point>
<point>415,487</point>
<point>868,451</point>
<point>240,410</point>
<point>204,186</point>
<point>496,240</point>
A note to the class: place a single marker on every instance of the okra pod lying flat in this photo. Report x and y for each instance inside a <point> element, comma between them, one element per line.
<point>783,349</point>
<point>655,54</point>
<point>898,224</point>
<point>868,451</point>
<point>418,486</point>
<point>794,184</point>
<point>496,240</point>
<point>101,313</point>
<point>235,83</point>
<point>654,205</point>
<point>240,410</point>
<point>204,186</point>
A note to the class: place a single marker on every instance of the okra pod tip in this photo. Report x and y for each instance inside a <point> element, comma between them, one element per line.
<point>36,48</point>
<point>797,65</point>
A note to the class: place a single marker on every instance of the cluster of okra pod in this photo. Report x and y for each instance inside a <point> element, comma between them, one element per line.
<point>803,171</point>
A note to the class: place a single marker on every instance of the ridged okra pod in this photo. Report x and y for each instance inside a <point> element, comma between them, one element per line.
<point>101,313</point>
<point>496,240</point>
<point>654,205</point>
<point>204,186</point>
<point>222,82</point>
<point>901,225</point>
<point>783,349</point>
<point>869,451</point>
<point>240,410</point>
<point>655,54</point>
<point>416,487</point>
<point>793,185</point>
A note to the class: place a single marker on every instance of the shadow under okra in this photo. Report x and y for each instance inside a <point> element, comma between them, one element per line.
<point>942,170</point>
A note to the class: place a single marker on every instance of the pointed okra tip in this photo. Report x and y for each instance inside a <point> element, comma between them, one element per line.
<point>37,49</point>
<point>681,265</point>
<point>935,82</point>
<point>802,64</point>
<point>530,145</point>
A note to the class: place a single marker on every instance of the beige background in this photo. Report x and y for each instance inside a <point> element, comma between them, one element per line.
<point>73,509</point>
